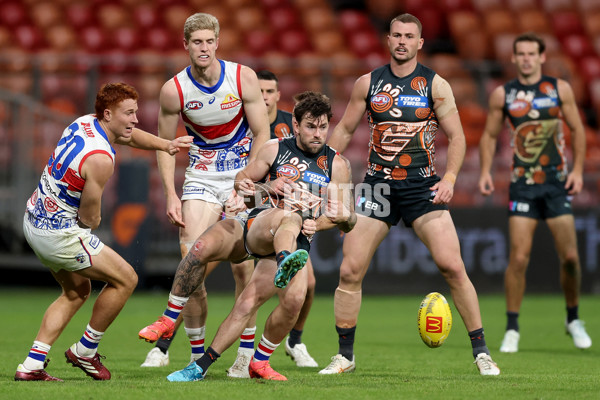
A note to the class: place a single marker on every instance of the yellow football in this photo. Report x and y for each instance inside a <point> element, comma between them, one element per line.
<point>434,320</point>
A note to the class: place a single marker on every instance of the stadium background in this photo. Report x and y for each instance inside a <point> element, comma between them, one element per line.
<point>55,54</point>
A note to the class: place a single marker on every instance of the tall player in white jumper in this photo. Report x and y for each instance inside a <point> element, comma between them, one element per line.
<point>222,108</point>
<point>60,215</point>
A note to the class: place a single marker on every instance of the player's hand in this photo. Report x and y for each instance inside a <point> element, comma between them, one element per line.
<point>486,184</point>
<point>309,227</point>
<point>283,186</point>
<point>182,142</point>
<point>444,192</point>
<point>234,204</point>
<point>336,211</point>
<point>574,183</point>
<point>174,211</point>
<point>245,187</point>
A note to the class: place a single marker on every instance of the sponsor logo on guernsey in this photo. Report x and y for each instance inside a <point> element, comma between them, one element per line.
<point>545,102</point>
<point>317,179</point>
<point>87,128</point>
<point>194,105</point>
<point>412,101</point>
<point>230,102</point>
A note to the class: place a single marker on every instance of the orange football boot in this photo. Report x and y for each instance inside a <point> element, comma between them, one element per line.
<point>162,328</point>
<point>262,369</point>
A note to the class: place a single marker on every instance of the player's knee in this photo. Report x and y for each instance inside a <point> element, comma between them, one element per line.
<point>453,271</point>
<point>293,304</point>
<point>351,273</point>
<point>79,293</point>
<point>519,262</point>
<point>572,258</point>
<point>132,281</point>
<point>571,264</point>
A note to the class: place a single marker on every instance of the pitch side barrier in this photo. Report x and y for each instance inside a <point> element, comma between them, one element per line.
<point>402,264</point>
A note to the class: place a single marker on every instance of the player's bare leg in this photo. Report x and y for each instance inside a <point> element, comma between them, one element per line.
<point>293,345</point>
<point>436,230</point>
<point>565,241</point>
<point>358,249</point>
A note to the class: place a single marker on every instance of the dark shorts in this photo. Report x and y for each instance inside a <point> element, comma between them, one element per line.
<point>246,218</point>
<point>539,201</point>
<point>392,201</point>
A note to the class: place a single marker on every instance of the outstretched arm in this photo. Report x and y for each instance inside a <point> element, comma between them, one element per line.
<point>141,139</point>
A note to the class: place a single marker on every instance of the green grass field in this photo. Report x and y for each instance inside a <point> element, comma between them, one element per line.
<point>392,362</point>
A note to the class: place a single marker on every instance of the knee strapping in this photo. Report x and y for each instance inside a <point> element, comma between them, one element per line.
<point>346,306</point>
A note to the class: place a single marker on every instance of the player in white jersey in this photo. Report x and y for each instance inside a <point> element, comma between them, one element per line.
<point>60,215</point>
<point>222,108</point>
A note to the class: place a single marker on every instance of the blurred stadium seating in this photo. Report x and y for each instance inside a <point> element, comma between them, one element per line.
<point>58,52</point>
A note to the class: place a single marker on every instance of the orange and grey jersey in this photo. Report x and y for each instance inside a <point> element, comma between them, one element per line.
<point>403,124</point>
<point>214,117</point>
<point>282,126</point>
<point>55,202</point>
<point>312,172</point>
<point>537,137</point>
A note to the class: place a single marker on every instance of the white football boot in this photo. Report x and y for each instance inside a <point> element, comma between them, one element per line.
<point>239,369</point>
<point>486,365</point>
<point>510,343</point>
<point>156,358</point>
<point>339,365</point>
<point>300,355</point>
<point>580,337</point>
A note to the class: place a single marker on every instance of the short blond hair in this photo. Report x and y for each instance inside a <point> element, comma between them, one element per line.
<point>200,21</point>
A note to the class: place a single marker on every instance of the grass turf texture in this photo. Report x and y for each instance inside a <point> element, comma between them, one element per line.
<point>392,362</point>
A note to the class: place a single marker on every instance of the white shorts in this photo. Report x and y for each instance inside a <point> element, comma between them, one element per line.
<point>210,173</point>
<point>212,187</point>
<point>70,249</point>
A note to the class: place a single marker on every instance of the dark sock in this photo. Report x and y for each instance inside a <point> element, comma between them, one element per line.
<point>512,320</point>
<point>346,341</point>
<point>281,255</point>
<point>572,314</point>
<point>295,337</point>
<point>478,342</point>
<point>164,344</point>
<point>209,357</point>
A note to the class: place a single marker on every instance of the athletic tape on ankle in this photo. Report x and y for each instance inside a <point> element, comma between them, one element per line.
<point>346,306</point>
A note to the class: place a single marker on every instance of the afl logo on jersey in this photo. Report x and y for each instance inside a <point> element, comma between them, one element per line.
<point>381,102</point>
<point>194,105</point>
<point>288,171</point>
<point>519,108</point>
